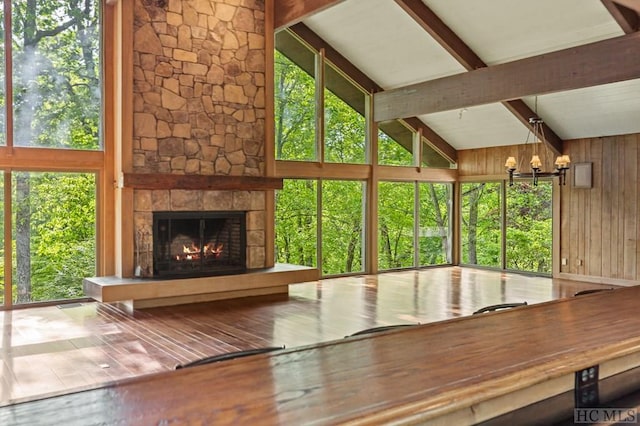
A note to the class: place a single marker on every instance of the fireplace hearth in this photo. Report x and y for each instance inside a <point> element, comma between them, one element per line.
<point>198,244</point>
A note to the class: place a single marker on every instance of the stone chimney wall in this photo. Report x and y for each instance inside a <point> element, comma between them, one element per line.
<point>199,74</point>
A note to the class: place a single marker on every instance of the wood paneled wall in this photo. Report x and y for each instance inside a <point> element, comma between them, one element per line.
<point>599,226</point>
<point>478,163</point>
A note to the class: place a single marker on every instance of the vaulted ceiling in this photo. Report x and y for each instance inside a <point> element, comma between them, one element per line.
<point>472,72</point>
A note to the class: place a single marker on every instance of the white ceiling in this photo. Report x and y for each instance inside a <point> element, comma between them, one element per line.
<point>385,43</point>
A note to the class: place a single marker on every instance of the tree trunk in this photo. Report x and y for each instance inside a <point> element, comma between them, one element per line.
<point>386,244</point>
<point>353,244</point>
<point>474,198</point>
<point>439,220</point>
<point>23,238</point>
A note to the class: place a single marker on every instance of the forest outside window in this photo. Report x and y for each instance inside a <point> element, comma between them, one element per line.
<point>51,95</point>
<point>303,81</point>
<point>54,230</point>
<point>395,144</point>
<point>295,100</point>
<point>508,227</point>
<point>56,73</point>
<point>345,125</point>
<point>403,241</point>
<point>297,222</point>
<point>343,227</point>
<point>324,141</point>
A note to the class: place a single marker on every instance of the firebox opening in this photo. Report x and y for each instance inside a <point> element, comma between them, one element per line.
<point>198,244</point>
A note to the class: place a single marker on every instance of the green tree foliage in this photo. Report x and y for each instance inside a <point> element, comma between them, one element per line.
<point>480,224</point>
<point>392,153</point>
<point>396,150</point>
<point>528,232</point>
<point>294,111</point>
<point>56,104</point>
<point>528,235</point>
<point>529,227</point>
<point>342,226</point>
<point>342,216</point>
<point>2,224</point>
<point>62,233</point>
<point>56,86</point>
<point>296,223</point>
<point>395,225</point>
<point>435,226</point>
<point>345,132</point>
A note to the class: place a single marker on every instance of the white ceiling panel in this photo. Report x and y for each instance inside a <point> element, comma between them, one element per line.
<point>386,44</point>
<point>611,109</point>
<point>379,38</point>
<point>501,31</point>
<point>477,127</point>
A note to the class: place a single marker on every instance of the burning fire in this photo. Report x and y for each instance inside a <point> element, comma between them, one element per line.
<point>193,252</point>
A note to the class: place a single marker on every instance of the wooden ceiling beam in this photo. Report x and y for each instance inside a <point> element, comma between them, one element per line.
<point>361,79</point>
<point>628,19</point>
<point>630,4</point>
<point>449,40</point>
<point>522,112</point>
<point>343,64</point>
<point>608,61</point>
<point>289,12</point>
<point>437,142</point>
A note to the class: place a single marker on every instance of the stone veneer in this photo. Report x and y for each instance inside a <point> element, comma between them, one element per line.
<point>199,109</point>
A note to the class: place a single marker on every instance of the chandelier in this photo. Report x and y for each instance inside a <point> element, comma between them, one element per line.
<point>562,161</point>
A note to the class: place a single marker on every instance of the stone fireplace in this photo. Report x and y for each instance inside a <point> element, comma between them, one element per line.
<point>198,244</point>
<point>196,71</point>
<point>199,111</point>
<point>247,208</point>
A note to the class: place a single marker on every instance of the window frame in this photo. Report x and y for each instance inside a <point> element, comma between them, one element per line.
<point>101,162</point>
<point>371,173</point>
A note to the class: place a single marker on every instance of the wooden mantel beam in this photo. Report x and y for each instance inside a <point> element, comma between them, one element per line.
<point>608,61</point>
<point>289,12</point>
<point>199,182</point>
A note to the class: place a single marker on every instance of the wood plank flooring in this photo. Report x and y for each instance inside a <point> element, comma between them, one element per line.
<point>58,349</point>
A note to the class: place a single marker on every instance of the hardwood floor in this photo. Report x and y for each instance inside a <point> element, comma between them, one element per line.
<point>57,349</point>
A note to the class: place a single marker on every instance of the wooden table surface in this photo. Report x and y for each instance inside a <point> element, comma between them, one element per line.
<point>409,375</point>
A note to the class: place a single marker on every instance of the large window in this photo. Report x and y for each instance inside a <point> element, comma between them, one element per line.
<point>3,93</point>
<point>529,232</point>
<point>398,246</point>
<point>435,223</point>
<point>345,125</point>
<point>56,73</point>
<point>301,131</point>
<point>295,111</point>
<point>51,99</point>
<point>324,142</point>
<point>481,219</point>
<point>2,245</point>
<point>54,230</point>
<point>342,214</point>
<point>524,242</point>
<point>342,227</point>
<point>395,144</point>
<point>396,208</point>
<point>296,222</point>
